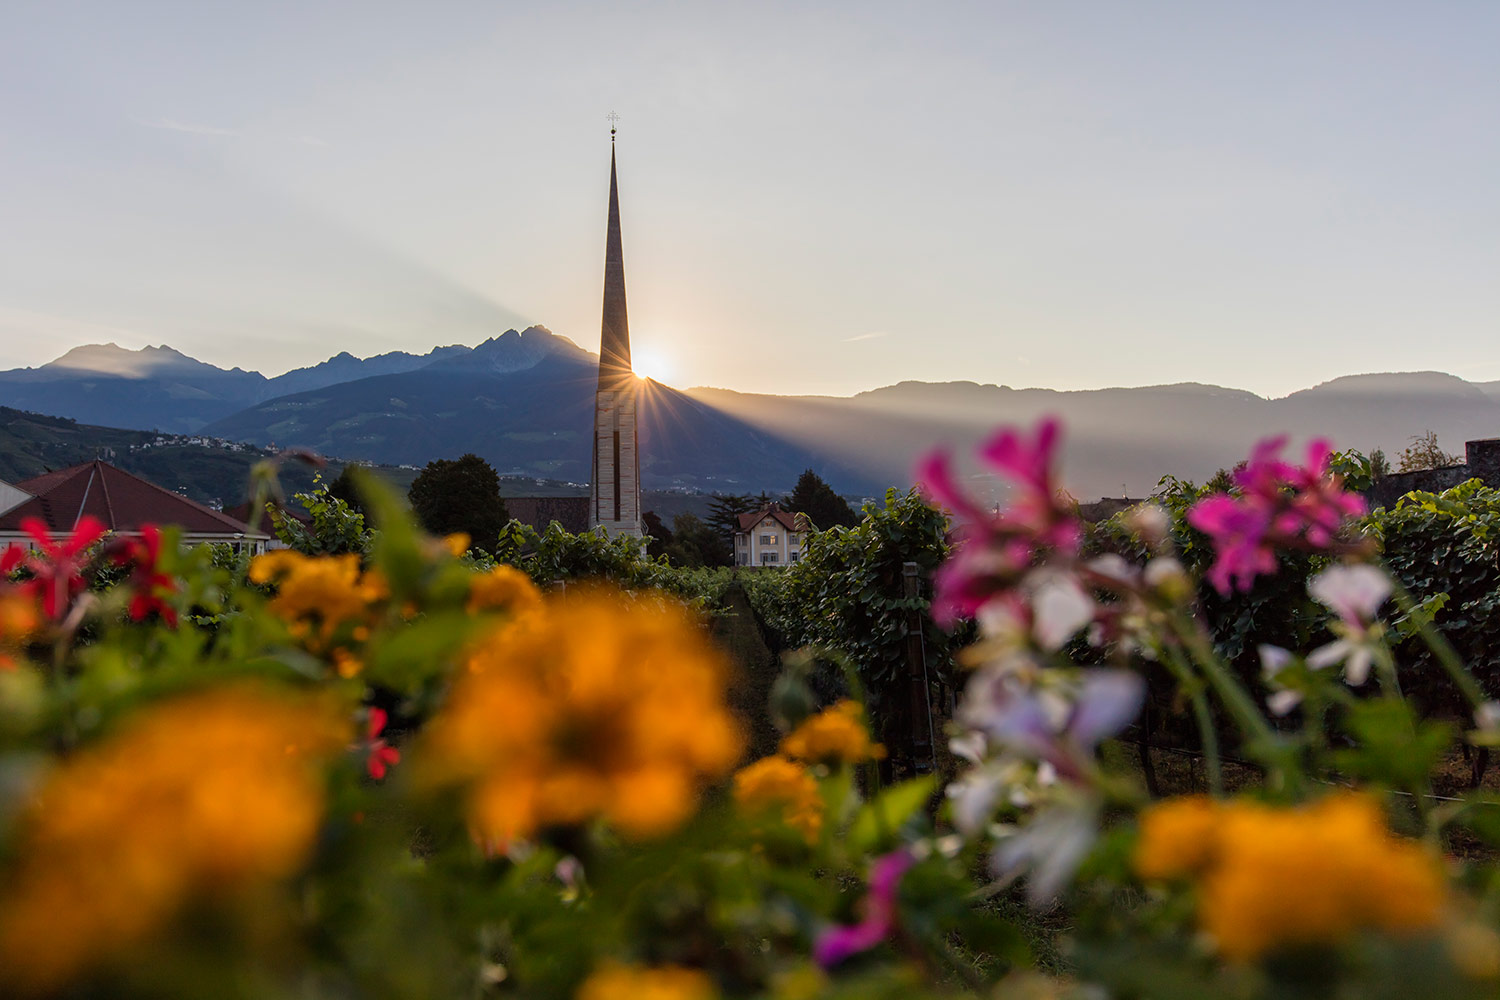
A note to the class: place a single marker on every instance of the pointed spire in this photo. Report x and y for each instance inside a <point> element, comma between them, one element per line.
<point>614,338</point>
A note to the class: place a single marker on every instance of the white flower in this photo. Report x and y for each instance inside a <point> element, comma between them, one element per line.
<point>1355,655</point>
<point>1273,660</point>
<point>1353,592</point>
<point>1050,847</point>
<point>1059,608</point>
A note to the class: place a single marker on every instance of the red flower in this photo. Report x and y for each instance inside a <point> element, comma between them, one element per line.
<point>381,755</point>
<point>151,585</point>
<point>57,572</point>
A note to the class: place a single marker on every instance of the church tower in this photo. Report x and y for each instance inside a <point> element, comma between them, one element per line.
<point>616,493</point>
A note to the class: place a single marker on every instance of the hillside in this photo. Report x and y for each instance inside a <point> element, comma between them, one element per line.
<point>523,401</point>
<point>208,471</point>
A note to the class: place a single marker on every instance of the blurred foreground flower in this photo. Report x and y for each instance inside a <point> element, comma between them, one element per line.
<point>318,595</point>
<point>149,585</point>
<point>202,796</point>
<point>784,788</point>
<point>633,982</point>
<point>878,919</point>
<point>834,735</point>
<point>1280,506</point>
<point>56,566</point>
<point>589,707</point>
<point>1269,878</point>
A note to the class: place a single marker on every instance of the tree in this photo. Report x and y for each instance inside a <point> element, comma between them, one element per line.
<point>658,535</point>
<point>724,512</point>
<point>460,495</point>
<point>1424,453</point>
<point>694,543</point>
<point>815,498</point>
<point>343,488</point>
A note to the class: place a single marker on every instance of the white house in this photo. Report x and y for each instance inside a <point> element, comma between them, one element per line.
<point>770,537</point>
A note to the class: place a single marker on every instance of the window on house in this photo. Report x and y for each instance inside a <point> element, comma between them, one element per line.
<point>769,557</point>
<point>768,539</point>
<point>796,556</point>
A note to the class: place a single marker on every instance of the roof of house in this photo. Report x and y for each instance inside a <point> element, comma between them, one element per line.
<point>789,521</point>
<point>123,502</point>
<point>570,512</point>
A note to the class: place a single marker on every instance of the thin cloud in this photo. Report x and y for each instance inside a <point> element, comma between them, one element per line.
<point>172,125</point>
<point>866,336</point>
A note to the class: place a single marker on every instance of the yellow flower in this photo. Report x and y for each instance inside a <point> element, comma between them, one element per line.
<point>835,734</point>
<point>775,784</point>
<point>503,588</point>
<point>587,707</point>
<point>1177,837</point>
<point>456,544</point>
<point>201,796</point>
<point>633,982</point>
<point>323,591</point>
<point>1272,877</point>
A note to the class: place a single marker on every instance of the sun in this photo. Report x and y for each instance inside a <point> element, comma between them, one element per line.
<point>652,364</point>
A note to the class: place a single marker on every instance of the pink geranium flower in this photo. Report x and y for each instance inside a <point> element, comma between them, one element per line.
<point>995,550</point>
<point>878,918</point>
<point>1279,506</point>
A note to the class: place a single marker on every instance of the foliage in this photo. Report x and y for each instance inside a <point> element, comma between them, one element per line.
<point>336,528</point>
<point>1448,543</point>
<point>460,496</point>
<point>404,771</point>
<point>815,498</point>
<point>694,543</point>
<point>848,593</point>
<point>345,487</point>
<point>724,512</point>
<point>1424,453</point>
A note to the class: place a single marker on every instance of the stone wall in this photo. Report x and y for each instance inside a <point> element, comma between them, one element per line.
<point>1481,461</point>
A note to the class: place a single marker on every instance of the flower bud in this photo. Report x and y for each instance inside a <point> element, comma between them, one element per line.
<point>1150,521</point>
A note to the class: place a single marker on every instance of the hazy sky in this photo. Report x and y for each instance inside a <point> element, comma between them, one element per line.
<point>815,197</point>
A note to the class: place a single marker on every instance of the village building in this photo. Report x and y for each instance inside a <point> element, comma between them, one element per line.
<point>771,537</point>
<point>123,503</point>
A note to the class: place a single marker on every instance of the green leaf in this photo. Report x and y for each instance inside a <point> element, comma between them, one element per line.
<point>883,816</point>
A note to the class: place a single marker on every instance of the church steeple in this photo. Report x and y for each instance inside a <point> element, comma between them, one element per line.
<point>614,339</point>
<point>616,492</point>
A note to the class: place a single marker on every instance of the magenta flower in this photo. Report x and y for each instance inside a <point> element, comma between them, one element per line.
<point>994,551</point>
<point>878,913</point>
<point>1279,506</point>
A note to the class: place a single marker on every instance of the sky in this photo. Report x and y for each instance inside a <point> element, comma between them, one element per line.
<point>815,198</point>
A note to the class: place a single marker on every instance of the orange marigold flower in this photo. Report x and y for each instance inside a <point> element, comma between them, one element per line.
<point>20,619</point>
<point>200,796</point>
<point>587,707</point>
<point>323,591</point>
<point>785,788</point>
<point>456,544</point>
<point>504,588</point>
<point>1273,877</point>
<point>1177,837</point>
<point>614,981</point>
<point>834,734</point>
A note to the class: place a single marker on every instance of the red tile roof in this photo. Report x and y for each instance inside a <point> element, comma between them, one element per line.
<point>125,503</point>
<point>749,520</point>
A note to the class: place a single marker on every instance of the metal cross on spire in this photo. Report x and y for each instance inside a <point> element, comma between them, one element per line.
<point>612,118</point>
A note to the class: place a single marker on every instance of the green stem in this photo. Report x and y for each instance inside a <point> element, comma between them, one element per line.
<point>1204,718</point>
<point>1261,739</point>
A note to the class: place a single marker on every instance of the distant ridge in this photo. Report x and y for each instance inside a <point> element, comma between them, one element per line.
<point>522,400</point>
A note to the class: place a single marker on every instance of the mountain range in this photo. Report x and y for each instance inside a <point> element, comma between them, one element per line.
<point>523,400</point>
